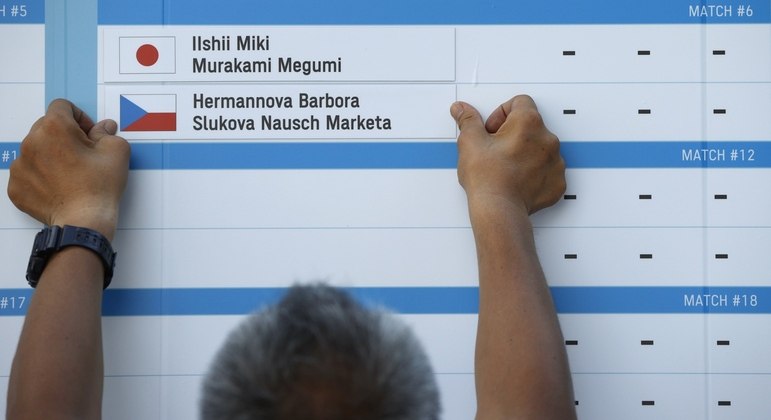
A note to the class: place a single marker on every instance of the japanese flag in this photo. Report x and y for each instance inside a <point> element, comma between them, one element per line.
<point>148,55</point>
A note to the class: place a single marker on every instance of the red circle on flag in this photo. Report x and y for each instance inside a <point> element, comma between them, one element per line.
<point>147,55</point>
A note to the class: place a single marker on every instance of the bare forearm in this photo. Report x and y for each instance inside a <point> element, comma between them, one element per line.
<point>58,370</point>
<point>520,357</point>
<point>70,171</point>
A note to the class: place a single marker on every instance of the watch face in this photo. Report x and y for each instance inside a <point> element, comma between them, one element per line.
<point>37,246</point>
<point>35,269</point>
<point>45,241</point>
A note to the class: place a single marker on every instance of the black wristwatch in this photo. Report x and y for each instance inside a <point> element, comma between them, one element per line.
<point>53,238</point>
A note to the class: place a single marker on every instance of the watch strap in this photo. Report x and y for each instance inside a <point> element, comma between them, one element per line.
<point>54,238</point>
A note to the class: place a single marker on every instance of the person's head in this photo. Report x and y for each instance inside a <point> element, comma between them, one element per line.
<point>318,354</point>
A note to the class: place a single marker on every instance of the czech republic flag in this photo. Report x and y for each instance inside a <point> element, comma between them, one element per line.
<point>148,112</point>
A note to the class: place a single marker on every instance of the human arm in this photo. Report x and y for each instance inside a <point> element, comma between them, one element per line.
<point>70,172</point>
<point>510,167</point>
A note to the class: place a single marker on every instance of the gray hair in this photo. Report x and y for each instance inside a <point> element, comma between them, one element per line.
<point>318,354</point>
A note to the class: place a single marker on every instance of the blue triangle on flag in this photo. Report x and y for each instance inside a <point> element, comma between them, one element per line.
<point>129,112</point>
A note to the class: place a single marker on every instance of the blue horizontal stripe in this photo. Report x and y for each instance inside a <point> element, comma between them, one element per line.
<point>8,150</point>
<point>33,12</point>
<point>674,154</point>
<point>674,300</point>
<point>438,155</point>
<point>293,155</point>
<point>443,155</point>
<point>426,300</point>
<point>395,12</point>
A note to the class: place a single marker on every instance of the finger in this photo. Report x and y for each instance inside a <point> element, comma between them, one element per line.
<point>67,109</point>
<point>523,101</point>
<point>497,118</point>
<point>469,121</point>
<point>501,114</point>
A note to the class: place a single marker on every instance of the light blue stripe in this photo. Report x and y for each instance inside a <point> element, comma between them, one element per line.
<point>428,300</point>
<point>406,12</point>
<point>71,47</point>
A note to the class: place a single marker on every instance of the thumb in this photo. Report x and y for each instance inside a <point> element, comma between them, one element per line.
<point>101,129</point>
<point>469,121</point>
<point>103,137</point>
